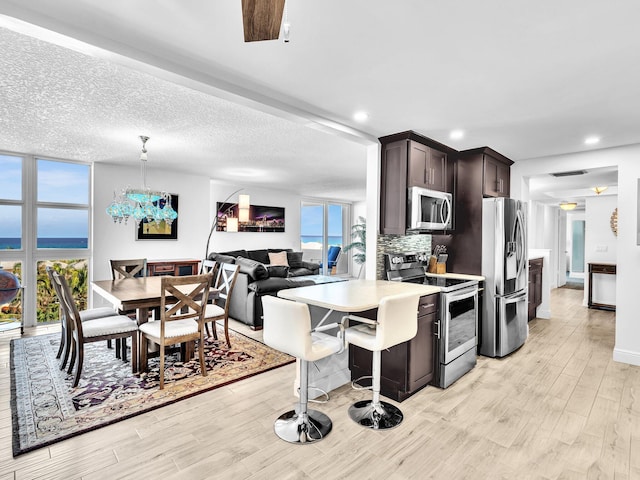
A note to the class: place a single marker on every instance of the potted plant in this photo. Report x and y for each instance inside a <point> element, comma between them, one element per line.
<point>359,243</point>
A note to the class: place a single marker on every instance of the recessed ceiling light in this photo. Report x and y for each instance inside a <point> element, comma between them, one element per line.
<point>456,134</point>
<point>361,116</point>
<point>591,140</point>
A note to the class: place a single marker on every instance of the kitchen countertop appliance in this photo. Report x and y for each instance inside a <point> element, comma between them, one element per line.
<point>457,326</point>
<point>504,265</point>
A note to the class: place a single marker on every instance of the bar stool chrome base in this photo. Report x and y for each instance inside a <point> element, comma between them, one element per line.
<point>380,416</point>
<point>294,428</point>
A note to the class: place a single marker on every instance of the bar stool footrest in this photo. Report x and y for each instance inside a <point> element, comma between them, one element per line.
<point>293,428</point>
<point>382,416</point>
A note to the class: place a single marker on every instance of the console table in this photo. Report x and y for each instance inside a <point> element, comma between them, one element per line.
<point>176,267</point>
<point>603,269</point>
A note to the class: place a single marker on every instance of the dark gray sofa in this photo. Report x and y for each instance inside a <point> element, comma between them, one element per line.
<point>257,277</point>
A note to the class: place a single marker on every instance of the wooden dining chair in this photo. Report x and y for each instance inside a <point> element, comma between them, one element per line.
<point>128,268</point>
<point>209,266</point>
<point>65,329</point>
<point>181,318</point>
<point>105,328</point>
<point>219,309</point>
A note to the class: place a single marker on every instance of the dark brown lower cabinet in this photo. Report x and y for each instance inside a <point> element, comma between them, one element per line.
<point>407,367</point>
<point>535,286</point>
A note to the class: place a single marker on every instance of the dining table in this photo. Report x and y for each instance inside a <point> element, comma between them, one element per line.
<point>142,294</point>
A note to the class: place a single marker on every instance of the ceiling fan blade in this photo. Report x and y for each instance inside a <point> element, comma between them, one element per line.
<point>262,19</point>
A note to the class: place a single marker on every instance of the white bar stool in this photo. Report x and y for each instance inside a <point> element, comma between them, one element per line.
<point>287,327</point>
<point>397,322</point>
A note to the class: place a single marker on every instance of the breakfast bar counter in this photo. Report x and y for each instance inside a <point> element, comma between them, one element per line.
<point>329,302</point>
<point>354,295</point>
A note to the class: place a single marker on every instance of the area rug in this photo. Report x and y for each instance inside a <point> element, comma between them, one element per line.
<point>46,409</point>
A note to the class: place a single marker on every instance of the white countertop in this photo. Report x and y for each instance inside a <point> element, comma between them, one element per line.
<point>353,295</point>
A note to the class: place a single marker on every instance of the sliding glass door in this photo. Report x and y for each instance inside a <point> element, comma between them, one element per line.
<point>324,232</point>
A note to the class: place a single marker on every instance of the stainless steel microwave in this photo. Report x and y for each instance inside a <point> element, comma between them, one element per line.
<point>429,209</point>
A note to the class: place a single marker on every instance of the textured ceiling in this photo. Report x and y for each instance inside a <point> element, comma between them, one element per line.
<point>527,78</point>
<point>61,103</point>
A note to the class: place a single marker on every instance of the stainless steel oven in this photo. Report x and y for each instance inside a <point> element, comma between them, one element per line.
<point>459,327</point>
<point>456,329</point>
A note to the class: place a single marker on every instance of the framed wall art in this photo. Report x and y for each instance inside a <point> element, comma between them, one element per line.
<point>260,219</point>
<point>162,231</point>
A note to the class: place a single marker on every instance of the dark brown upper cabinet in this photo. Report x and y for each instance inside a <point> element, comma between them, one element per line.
<point>427,167</point>
<point>496,177</point>
<point>408,160</point>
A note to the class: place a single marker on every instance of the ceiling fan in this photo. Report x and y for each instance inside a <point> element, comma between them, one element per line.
<point>262,19</point>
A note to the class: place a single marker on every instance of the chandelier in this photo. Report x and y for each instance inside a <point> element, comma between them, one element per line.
<point>143,204</point>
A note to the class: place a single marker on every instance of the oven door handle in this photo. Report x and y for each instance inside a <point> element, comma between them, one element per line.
<point>461,295</point>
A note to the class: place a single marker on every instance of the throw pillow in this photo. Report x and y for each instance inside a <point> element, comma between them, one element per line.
<point>278,259</point>
<point>279,271</point>
<point>294,259</point>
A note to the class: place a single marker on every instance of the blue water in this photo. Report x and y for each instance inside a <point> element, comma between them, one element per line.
<point>315,239</point>
<point>14,243</point>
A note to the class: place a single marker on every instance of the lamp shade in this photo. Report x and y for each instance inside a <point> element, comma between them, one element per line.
<point>232,224</point>
<point>243,201</point>
<point>243,215</point>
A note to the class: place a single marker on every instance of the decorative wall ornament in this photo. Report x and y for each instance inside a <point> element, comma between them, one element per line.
<point>614,222</point>
<point>162,230</point>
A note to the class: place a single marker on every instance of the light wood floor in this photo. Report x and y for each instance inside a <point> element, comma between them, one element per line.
<point>557,408</point>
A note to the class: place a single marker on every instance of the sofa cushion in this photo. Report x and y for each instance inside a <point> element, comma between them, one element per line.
<point>256,270</point>
<point>237,253</point>
<point>275,284</point>
<point>298,272</point>
<point>294,259</point>
<point>278,271</point>
<point>279,258</point>
<point>261,256</point>
<point>221,258</point>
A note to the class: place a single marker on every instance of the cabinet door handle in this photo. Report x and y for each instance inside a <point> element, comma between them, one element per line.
<point>430,305</point>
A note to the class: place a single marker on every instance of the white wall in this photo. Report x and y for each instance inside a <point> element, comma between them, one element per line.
<point>112,241</point>
<point>627,159</point>
<point>600,246</point>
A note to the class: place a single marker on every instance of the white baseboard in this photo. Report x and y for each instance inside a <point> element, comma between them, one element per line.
<point>543,313</point>
<point>626,356</point>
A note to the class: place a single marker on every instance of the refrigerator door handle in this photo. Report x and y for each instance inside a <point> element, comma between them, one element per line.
<point>520,242</point>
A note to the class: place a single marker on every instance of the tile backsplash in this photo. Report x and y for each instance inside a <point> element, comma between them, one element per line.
<point>399,244</point>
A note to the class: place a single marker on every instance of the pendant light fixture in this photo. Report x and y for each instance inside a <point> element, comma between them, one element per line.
<point>143,204</point>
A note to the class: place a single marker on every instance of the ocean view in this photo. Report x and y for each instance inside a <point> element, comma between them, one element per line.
<point>14,243</point>
<point>317,240</point>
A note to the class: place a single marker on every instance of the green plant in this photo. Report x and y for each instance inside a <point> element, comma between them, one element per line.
<point>359,243</point>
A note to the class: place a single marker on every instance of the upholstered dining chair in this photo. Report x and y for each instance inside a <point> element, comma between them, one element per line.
<point>98,329</point>
<point>181,320</point>
<point>219,310</point>
<point>65,329</point>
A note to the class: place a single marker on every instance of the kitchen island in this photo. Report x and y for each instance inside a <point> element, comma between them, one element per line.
<point>330,302</point>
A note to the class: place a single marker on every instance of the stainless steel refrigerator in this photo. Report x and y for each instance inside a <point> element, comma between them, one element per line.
<point>504,265</point>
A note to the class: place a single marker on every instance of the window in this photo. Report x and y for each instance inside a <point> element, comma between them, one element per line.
<point>57,218</point>
<point>324,231</point>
